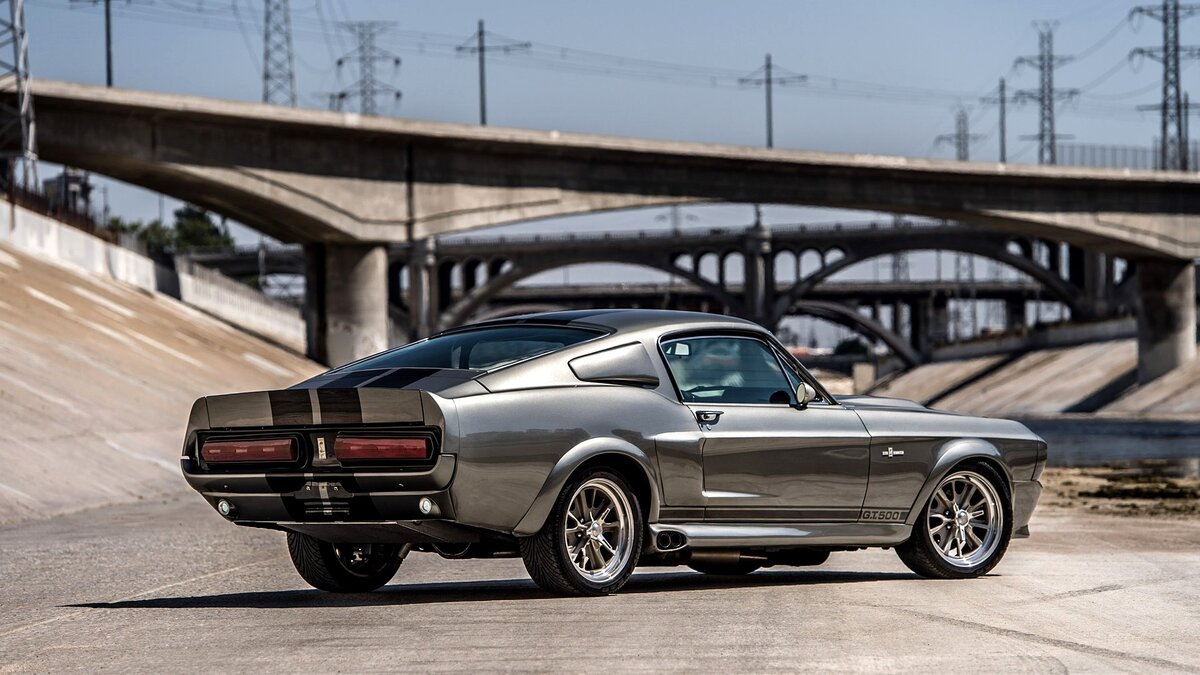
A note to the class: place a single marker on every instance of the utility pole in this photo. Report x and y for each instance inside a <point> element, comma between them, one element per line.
<point>18,131</point>
<point>481,48</point>
<point>367,54</point>
<point>279,66</point>
<point>766,78</point>
<point>1173,153</point>
<point>108,47</point>
<point>1046,95</point>
<point>1001,99</point>
<point>962,136</point>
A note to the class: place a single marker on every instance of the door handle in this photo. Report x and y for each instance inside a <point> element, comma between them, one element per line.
<point>708,416</point>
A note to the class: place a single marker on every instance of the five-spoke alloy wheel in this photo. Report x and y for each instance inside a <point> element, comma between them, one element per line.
<point>964,528</point>
<point>591,542</point>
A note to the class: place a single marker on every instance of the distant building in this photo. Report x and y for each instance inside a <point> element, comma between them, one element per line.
<point>69,191</point>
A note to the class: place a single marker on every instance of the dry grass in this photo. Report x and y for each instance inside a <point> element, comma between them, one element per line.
<point>1140,490</point>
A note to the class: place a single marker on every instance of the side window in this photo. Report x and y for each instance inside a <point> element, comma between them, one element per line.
<point>727,370</point>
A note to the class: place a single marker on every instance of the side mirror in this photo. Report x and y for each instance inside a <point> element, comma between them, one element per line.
<point>805,394</point>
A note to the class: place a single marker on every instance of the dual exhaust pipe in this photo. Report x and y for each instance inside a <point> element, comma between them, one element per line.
<point>667,541</point>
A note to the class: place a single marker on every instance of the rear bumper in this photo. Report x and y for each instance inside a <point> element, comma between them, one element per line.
<point>1025,498</point>
<point>273,499</point>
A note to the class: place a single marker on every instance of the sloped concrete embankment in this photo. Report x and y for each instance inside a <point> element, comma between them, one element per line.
<point>97,377</point>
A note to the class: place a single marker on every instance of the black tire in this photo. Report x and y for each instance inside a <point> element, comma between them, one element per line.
<point>739,568</point>
<point>920,553</point>
<point>546,554</point>
<point>336,568</point>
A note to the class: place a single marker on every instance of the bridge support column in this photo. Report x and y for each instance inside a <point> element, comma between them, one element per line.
<point>1014,315</point>
<point>346,301</point>
<point>759,274</point>
<point>1166,317</point>
<point>421,287</point>
<point>1086,270</point>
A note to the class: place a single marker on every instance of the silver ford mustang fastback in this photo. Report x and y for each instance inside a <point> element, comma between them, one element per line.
<point>591,442</point>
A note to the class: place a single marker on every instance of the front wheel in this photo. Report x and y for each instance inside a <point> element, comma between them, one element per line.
<point>964,528</point>
<point>343,568</point>
<point>590,543</point>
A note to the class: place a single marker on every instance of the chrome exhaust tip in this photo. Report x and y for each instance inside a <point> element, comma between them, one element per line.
<point>669,540</point>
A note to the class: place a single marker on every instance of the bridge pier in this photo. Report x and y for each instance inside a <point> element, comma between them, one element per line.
<point>346,301</point>
<point>1166,317</point>
<point>421,301</point>
<point>759,274</point>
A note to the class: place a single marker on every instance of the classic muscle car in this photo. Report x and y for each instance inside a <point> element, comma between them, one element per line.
<point>591,442</point>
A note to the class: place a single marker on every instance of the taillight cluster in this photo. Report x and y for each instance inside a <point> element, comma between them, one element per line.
<point>257,450</point>
<point>347,449</point>
<point>368,449</point>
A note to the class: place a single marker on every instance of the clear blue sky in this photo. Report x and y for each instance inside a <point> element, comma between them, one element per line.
<point>959,49</point>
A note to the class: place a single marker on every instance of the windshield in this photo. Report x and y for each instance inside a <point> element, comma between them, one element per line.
<point>479,349</point>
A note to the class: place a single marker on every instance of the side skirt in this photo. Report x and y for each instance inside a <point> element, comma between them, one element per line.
<point>720,535</point>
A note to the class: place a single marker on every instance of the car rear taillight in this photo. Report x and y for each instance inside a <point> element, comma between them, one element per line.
<point>365,448</point>
<point>257,450</point>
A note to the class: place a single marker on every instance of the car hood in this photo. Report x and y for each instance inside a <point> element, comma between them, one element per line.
<point>859,401</point>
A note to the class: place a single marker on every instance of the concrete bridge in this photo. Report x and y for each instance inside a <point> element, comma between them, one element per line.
<point>718,268</point>
<point>347,185</point>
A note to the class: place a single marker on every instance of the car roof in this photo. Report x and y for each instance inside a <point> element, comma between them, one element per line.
<point>625,320</point>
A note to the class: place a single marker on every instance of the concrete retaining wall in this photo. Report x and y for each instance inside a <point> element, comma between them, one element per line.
<point>241,305</point>
<point>204,289</point>
<point>1092,440</point>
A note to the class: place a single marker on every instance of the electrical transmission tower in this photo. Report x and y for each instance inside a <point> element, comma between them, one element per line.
<point>18,130</point>
<point>477,44</point>
<point>368,87</point>
<point>1173,146</point>
<point>1046,95</point>
<point>962,136</point>
<point>279,65</point>
<point>767,78</point>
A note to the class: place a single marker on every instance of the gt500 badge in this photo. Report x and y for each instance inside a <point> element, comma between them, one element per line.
<point>882,515</point>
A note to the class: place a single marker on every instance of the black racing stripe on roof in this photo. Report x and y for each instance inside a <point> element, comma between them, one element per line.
<point>563,318</point>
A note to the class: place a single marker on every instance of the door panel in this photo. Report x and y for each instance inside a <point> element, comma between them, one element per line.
<point>777,462</point>
<point>764,457</point>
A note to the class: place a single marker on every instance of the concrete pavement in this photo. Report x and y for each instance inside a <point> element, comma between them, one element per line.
<point>165,584</point>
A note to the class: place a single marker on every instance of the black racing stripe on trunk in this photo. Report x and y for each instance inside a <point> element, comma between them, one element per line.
<point>340,406</point>
<point>290,407</point>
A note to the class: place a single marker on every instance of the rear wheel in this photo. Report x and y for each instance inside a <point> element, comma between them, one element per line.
<point>590,543</point>
<point>343,568</point>
<point>964,528</point>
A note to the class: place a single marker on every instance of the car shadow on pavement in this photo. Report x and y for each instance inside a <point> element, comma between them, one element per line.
<point>489,590</point>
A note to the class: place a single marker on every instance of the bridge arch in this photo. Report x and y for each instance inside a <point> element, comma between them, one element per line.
<point>1056,286</point>
<point>466,306</point>
<point>847,316</point>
